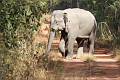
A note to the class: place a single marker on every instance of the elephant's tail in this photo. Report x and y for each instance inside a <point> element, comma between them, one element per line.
<point>95,27</point>
<point>93,32</point>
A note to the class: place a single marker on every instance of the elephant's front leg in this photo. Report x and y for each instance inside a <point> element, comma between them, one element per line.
<point>70,48</point>
<point>63,42</point>
<point>62,46</point>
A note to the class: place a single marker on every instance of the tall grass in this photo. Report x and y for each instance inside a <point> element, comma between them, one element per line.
<point>26,62</point>
<point>20,57</point>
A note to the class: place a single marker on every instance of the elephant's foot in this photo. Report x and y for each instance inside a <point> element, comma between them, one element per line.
<point>69,56</point>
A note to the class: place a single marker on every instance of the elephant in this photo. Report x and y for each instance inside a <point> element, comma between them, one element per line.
<point>74,24</point>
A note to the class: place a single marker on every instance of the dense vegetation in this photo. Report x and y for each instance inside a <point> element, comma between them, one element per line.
<point>106,13</point>
<point>19,19</point>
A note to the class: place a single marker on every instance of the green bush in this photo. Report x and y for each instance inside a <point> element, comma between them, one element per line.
<point>19,16</point>
<point>19,55</point>
<point>107,15</point>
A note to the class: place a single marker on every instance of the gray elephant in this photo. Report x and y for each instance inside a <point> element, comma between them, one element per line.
<point>74,24</point>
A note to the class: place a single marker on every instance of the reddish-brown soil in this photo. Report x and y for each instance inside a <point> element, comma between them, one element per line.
<point>105,67</point>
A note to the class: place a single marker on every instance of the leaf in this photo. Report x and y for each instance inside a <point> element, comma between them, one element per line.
<point>94,2</point>
<point>55,1</point>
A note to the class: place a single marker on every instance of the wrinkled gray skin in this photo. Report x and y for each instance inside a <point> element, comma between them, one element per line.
<point>74,24</point>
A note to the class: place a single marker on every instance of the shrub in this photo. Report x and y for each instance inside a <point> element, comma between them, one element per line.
<point>19,55</point>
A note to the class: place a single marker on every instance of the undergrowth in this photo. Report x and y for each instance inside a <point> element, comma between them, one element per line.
<point>26,62</point>
<point>116,52</point>
<point>112,45</point>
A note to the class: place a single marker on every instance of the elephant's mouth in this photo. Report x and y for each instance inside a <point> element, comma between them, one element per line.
<point>53,30</point>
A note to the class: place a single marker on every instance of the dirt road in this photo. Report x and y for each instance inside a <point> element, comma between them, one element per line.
<point>105,66</point>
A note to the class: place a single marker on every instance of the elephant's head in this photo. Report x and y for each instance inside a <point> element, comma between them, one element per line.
<point>57,23</point>
<point>58,20</point>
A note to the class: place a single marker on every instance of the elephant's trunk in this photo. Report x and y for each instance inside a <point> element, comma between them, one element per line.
<point>50,40</point>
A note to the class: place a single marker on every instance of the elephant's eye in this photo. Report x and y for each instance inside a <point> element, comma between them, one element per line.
<point>56,22</point>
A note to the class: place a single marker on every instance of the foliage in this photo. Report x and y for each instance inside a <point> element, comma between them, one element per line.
<point>26,62</point>
<point>107,15</point>
<point>19,55</point>
<point>17,17</point>
<point>116,52</point>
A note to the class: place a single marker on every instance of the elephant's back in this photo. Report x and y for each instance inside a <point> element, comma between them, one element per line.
<point>82,18</point>
<point>79,14</point>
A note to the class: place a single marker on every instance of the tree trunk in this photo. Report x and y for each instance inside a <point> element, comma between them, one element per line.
<point>51,5</point>
<point>78,4</point>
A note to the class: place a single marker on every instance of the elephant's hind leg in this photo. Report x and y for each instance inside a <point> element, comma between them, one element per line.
<point>80,43</point>
<point>91,43</point>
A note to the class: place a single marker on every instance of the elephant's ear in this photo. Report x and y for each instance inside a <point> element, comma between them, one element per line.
<point>51,20</point>
<point>65,18</point>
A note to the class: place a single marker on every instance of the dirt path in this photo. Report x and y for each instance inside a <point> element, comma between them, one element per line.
<point>105,66</point>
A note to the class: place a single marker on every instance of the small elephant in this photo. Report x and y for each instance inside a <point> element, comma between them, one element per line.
<point>74,24</point>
